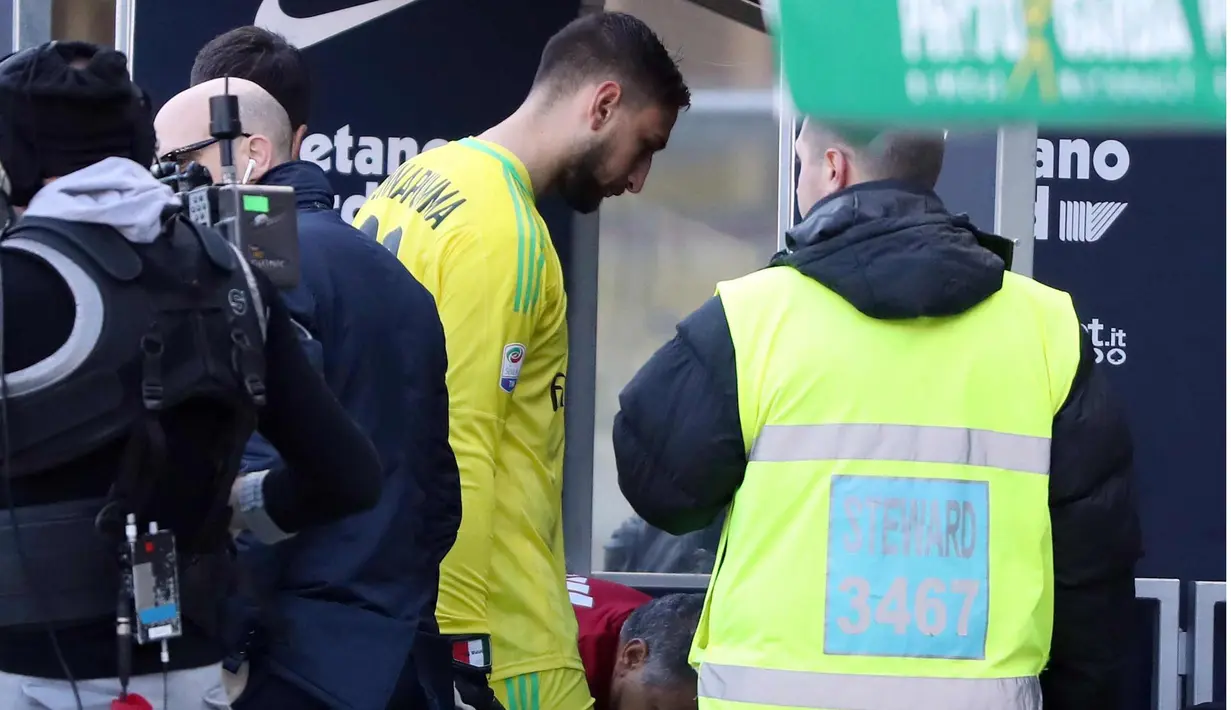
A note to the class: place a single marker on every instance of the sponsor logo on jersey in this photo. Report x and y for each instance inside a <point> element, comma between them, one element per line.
<point>510,365</point>
<point>1075,159</point>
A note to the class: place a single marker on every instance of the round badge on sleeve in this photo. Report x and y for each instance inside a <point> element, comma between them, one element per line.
<point>510,365</point>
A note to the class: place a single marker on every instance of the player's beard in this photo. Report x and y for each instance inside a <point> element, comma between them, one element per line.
<point>579,185</point>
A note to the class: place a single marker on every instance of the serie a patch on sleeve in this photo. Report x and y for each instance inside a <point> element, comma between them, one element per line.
<point>510,365</point>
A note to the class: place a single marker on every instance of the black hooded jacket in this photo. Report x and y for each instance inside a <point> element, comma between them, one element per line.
<point>895,252</point>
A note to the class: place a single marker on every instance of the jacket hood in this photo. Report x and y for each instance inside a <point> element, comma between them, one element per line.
<point>893,251</point>
<point>312,188</point>
<point>114,191</point>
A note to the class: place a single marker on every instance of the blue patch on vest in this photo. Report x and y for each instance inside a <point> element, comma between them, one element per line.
<point>907,574</point>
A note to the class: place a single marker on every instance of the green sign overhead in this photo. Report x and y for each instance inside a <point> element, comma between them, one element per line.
<point>1052,62</point>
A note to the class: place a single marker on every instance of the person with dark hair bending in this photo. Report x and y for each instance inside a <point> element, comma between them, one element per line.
<point>635,647</point>
<point>464,219</point>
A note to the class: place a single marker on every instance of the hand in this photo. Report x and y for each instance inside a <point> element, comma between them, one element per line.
<point>237,518</point>
<point>471,689</point>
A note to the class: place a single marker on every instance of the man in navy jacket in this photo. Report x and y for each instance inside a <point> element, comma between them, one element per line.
<point>384,358</point>
<point>335,615</point>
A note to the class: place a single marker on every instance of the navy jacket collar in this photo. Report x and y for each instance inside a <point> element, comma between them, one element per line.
<point>312,188</point>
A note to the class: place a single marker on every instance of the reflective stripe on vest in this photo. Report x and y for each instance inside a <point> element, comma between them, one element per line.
<point>835,691</point>
<point>900,442</point>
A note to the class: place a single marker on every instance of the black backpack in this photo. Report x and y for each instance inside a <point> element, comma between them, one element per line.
<point>158,326</point>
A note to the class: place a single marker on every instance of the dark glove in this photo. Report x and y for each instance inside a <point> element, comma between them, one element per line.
<point>471,685</point>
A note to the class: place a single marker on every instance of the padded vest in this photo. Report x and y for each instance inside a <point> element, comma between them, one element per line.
<point>158,326</point>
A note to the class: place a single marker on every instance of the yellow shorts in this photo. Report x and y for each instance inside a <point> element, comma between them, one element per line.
<point>559,689</point>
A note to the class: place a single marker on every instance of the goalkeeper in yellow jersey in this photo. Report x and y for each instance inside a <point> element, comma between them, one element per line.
<point>464,219</point>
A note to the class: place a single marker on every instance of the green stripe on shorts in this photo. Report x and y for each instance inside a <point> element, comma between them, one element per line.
<point>511,693</point>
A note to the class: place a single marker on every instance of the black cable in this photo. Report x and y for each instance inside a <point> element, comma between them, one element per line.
<point>165,657</point>
<point>123,640</point>
<point>8,492</point>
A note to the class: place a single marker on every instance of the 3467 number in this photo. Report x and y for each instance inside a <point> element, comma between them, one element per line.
<point>929,613</point>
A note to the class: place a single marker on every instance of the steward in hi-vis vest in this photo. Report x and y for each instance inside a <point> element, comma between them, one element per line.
<point>929,484</point>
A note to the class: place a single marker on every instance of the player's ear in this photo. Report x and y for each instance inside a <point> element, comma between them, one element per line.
<point>633,655</point>
<point>607,97</point>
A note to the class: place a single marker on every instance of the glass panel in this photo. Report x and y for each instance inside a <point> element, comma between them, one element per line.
<point>88,20</point>
<point>708,213</point>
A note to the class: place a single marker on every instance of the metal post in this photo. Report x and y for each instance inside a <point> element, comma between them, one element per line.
<point>31,23</point>
<point>657,580</point>
<point>787,127</point>
<point>8,27</point>
<point>580,396</point>
<point>125,28</point>
<point>1015,165</point>
<point>1201,632</point>
<point>577,506</point>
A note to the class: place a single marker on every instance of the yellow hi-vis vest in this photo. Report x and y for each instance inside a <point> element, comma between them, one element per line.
<point>890,546</point>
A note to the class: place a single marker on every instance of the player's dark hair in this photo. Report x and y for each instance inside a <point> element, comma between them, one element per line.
<point>266,59</point>
<point>666,625</point>
<point>615,46</point>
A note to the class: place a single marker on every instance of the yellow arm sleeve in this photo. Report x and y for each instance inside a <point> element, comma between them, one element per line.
<point>479,279</point>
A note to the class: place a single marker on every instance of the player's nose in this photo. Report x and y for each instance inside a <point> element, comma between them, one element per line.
<point>636,180</point>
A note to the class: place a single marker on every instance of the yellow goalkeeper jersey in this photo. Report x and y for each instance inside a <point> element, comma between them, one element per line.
<point>462,218</point>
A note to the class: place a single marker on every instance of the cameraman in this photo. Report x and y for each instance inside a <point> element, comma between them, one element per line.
<point>141,354</point>
<point>370,581</point>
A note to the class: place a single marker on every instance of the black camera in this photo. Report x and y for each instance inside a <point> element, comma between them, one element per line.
<point>258,219</point>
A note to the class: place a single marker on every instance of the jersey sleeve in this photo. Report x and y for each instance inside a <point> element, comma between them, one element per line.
<point>481,280</point>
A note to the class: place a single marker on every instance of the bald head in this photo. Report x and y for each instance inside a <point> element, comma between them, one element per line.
<point>184,120</point>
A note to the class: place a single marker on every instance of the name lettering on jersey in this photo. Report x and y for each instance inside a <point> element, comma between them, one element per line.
<point>425,191</point>
<point>510,365</point>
